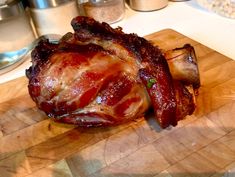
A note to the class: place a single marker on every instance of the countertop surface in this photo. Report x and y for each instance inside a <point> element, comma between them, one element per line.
<point>202,145</point>
<point>186,17</point>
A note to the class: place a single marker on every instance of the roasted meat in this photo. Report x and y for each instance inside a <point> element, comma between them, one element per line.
<point>99,76</point>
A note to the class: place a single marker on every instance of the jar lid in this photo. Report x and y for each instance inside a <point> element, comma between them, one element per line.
<point>43,4</point>
<point>10,8</point>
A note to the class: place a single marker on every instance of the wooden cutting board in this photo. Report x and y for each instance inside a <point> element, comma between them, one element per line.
<point>201,145</point>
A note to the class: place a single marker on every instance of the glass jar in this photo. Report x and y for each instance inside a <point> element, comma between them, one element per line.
<point>15,29</point>
<point>53,16</point>
<point>109,11</point>
<point>148,5</point>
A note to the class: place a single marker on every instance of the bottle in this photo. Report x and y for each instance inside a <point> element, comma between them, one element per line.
<point>109,11</point>
<point>13,16</point>
<point>147,5</point>
<point>53,16</point>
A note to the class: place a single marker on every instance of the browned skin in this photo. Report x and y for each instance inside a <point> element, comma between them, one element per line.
<point>102,76</point>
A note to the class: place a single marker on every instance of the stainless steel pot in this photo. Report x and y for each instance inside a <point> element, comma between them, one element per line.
<point>11,8</point>
<point>43,4</point>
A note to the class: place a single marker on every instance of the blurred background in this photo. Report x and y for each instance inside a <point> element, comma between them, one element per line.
<point>23,21</point>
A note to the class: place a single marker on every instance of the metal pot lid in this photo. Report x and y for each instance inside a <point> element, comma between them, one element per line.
<point>10,8</point>
<point>43,4</point>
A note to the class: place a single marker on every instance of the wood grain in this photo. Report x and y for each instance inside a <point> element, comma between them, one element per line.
<point>201,145</point>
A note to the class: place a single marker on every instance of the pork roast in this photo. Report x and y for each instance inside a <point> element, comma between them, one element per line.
<point>100,76</point>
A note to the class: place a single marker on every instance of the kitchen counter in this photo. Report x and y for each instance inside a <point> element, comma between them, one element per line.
<point>187,17</point>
